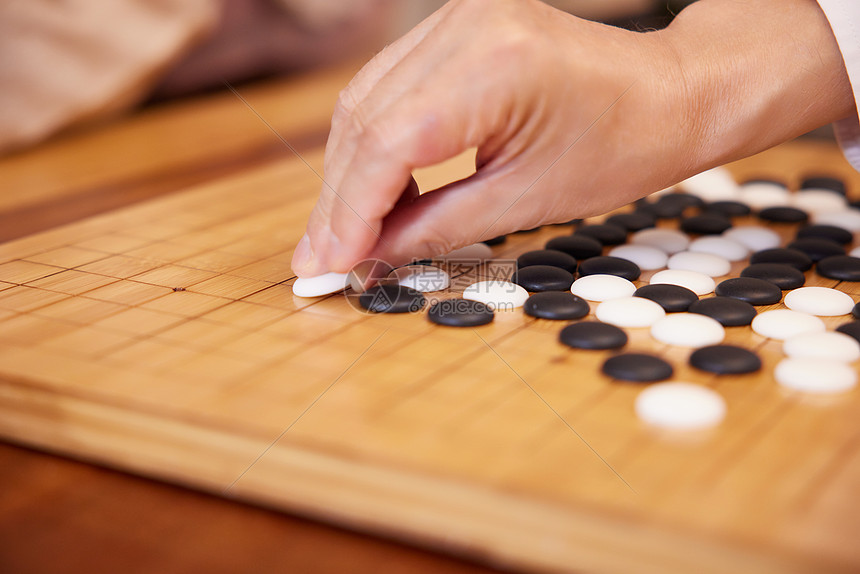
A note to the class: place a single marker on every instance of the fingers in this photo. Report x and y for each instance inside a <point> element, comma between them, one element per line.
<point>307,258</point>
<point>410,133</point>
<point>459,214</point>
<point>457,87</point>
<point>366,79</point>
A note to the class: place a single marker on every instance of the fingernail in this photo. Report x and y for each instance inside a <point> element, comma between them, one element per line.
<point>303,256</point>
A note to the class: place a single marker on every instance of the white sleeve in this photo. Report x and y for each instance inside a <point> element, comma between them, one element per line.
<point>844,18</point>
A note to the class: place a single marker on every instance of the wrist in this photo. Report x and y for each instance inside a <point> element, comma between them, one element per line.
<point>751,75</point>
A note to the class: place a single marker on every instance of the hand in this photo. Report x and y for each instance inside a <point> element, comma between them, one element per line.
<point>571,118</point>
<point>567,116</point>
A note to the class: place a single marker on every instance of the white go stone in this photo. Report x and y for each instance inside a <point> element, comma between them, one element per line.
<point>753,237</point>
<point>827,345</point>
<point>782,324</point>
<point>762,194</point>
<point>822,301</point>
<point>814,375</point>
<point>646,257</point>
<point>698,283</point>
<point>497,295</point>
<point>722,246</point>
<point>320,285</point>
<point>668,240</point>
<point>855,252</point>
<point>680,406</point>
<point>423,278</point>
<point>688,330</point>
<point>847,219</point>
<point>602,287</point>
<point>476,253</point>
<point>630,312</point>
<point>707,263</point>
<point>715,184</point>
<point>818,201</point>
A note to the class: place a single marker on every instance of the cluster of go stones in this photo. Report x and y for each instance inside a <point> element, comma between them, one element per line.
<point>682,304</point>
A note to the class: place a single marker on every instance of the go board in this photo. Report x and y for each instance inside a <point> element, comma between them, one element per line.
<point>163,339</point>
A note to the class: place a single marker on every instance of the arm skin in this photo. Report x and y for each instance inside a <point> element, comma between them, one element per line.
<point>571,118</point>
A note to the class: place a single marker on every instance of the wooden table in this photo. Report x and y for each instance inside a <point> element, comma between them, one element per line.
<point>60,515</point>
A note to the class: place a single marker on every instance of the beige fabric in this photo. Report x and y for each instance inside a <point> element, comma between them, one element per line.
<point>73,60</point>
<point>66,62</point>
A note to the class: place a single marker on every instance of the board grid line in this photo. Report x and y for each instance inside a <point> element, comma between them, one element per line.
<point>424,390</point>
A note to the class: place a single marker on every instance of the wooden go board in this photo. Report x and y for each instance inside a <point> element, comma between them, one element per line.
<point>163,339</point>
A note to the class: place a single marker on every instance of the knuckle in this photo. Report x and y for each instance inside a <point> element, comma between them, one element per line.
<point>433,243</point>
<point>319,218</point>
<point>345,105</point>
<point>376,136</point>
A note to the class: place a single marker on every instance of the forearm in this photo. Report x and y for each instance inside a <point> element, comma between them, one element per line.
<point>755,73</point>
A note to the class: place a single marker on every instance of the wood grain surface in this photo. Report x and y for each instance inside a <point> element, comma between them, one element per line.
<point>62,516</point>
<point>163,339</point>
<point>164,148</point>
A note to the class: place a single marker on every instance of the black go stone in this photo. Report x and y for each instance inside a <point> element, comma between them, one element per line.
<point>529,230</point>
<point>605,233</point>
<point>388,298</point>
<point>672,205</point>
<point>608,265</point>
<point>783,276</point>
<point>556,305</point>
<point>705,224</point>
<point>569,222</point>
<point>496,240</point>
<point>634,221</point>
<point>549,257</point>
<point>578,246</point>
<point>728,208</point>
<point>841,267</point>
<point>783,214</point>
<point>851,329</point>
<point>794,257</point>
<point>685,199</point>
<point>725,360</point>
<point>593,335</point>
<point>646,207</point>
<point>831,232</point>
<point>817,248</point>
<point>460,313</point>
<point>673,298</point>
<point>637,368</point>
<point>665,208</point>
<point>824,182</point>
<point>543,278</point>
<point>728,311</point>
<point>856,311</point>
<point>753,291</point>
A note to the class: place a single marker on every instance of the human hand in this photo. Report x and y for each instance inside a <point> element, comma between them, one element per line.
<point>571,118</point>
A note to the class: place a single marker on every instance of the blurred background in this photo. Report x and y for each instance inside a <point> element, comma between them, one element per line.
<point>77,62</point>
